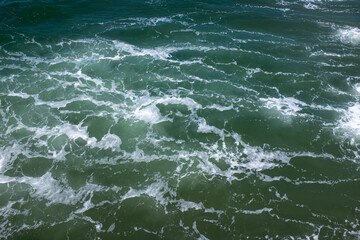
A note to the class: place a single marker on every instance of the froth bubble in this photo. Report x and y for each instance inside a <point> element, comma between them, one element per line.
<point>349,35</point>
<point>351,119</point>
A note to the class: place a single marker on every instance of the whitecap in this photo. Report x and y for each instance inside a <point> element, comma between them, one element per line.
<point>287,106</point>
<point>203,127</point>
<point>201,236</point>
<point>350,35</point>
<point>186,205</point>
<point>310,6</point>
<point>220,108</point>
<point>256,212</point>
<point>46,187</point>
<point>357,87</point>
<point>351,119</point>
<point>147,110</point>
<point>149,113</point>
<point>108,141</point>
<point>155,190</point>
<point>8,154</point>
<point>73,132</point>
<point>2,161</point>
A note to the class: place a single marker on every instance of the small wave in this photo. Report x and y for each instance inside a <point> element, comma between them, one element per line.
<point>351,119</point>
<point>310,5</point>
<point>349,35</point>
<point>287,106</point>
<point>357,87</point>
<point>148,111</point>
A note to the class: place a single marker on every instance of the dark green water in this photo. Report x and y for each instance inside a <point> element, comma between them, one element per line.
<point>180,119</point>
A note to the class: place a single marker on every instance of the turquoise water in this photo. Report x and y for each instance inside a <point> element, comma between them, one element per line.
<point>180,119</point>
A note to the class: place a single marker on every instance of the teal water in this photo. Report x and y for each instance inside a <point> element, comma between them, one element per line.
<point>180,119</point>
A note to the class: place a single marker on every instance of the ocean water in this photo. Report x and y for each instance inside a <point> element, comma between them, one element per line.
<point>180,119</point>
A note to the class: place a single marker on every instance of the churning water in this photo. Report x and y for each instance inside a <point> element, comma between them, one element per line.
<point>180,119</point>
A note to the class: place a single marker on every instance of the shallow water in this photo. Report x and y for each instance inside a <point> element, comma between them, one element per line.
<point>180,119</point>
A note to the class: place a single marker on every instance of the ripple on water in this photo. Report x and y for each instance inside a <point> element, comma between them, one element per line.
<point>196,123</point>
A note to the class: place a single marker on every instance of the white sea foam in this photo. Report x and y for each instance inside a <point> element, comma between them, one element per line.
<point>186,205</point>
<point>203,127</point>
<point>357,87</point>
<point>213,153</point>
<point>111,228</point>
<point>258,159</point>
<point>162,53</point>
<point>220,108</point>
<point>248,157</point>
<point>80,74</point>
<point>8,154</point>
<point>108,141</point>
<point>46,187</point>
<point>19,94</point>
<point>188,102</point>
<point>201,236</point>
<point>256,212</point>
<point>349,35</point>
<point>155,190</point>
<point>152,21</point>
<point>158,53</point>
<point>310,5</point>
<point>164,195</point>
<point>71,131</point>
<point>148,111</point>
<point>351,120</point>
<point>330,54</point>
<point>2,161</point>
<point>287,106</point>
<point>86,206</point>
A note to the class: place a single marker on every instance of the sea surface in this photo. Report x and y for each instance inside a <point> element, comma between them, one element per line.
<point>180,119</point>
